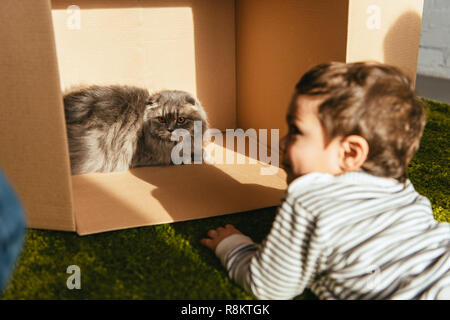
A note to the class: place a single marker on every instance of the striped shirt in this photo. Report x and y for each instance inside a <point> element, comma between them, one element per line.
<point>352,236</point>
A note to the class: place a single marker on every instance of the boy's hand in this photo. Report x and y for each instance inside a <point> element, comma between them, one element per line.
<point>217,235</point>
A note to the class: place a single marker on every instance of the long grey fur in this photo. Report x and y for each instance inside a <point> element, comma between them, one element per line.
<point>116,127</point>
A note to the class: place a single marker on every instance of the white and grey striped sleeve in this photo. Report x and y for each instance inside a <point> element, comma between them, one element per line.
<point>330,235</point>
<point>283,265</point>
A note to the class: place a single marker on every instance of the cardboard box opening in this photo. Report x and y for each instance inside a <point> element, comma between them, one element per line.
<point>240,58</point>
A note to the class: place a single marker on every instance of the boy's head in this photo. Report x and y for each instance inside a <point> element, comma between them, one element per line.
<point>349,117</point>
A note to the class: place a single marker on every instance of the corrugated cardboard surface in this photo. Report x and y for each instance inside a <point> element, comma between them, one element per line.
<point>278,41</point>
<point>385,31</point>
<point>185,45</point>
<point>33,143</point>
<point>155,195</point>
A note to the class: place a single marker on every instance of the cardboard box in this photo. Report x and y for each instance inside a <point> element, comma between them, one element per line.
<point>241,58</point>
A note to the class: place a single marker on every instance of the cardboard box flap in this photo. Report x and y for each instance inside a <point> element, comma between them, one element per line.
<point>388,33</point>
<point>163,194</point>
<point>33,140</point>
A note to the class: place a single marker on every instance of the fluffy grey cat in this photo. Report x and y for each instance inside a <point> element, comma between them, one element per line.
<point>117,127</point>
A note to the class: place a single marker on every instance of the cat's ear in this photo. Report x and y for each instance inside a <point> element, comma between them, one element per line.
<point>191,100</point>
<point>151,104</point>
<point>152,101</point>
<point>152,110</point>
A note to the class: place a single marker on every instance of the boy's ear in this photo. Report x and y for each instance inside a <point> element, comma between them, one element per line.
<point>353,153</point>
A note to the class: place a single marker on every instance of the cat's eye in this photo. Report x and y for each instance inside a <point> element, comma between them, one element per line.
<point>181,119</point>
<point>293,130</point>
<point>161,120</point>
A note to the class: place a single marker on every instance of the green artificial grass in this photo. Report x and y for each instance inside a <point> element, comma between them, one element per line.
<point>168,262</point>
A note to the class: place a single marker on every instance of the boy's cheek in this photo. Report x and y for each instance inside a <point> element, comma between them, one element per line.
<point>282,144</point>
<point>293,171</point>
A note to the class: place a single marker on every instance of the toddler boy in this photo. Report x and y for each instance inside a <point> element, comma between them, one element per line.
<point>351,225</point>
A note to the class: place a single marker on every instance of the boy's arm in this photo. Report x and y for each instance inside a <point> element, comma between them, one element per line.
<point>283,265</point>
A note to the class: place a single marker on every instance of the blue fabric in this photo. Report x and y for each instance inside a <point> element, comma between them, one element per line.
<point>12,229</point>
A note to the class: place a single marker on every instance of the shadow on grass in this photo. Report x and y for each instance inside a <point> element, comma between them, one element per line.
<point>256,224</point>
<point>141,263</point>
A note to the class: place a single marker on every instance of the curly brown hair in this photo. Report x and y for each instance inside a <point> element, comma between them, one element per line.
<point>375,101</point>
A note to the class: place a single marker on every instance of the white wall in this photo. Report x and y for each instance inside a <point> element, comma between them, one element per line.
<point>434,51</point>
